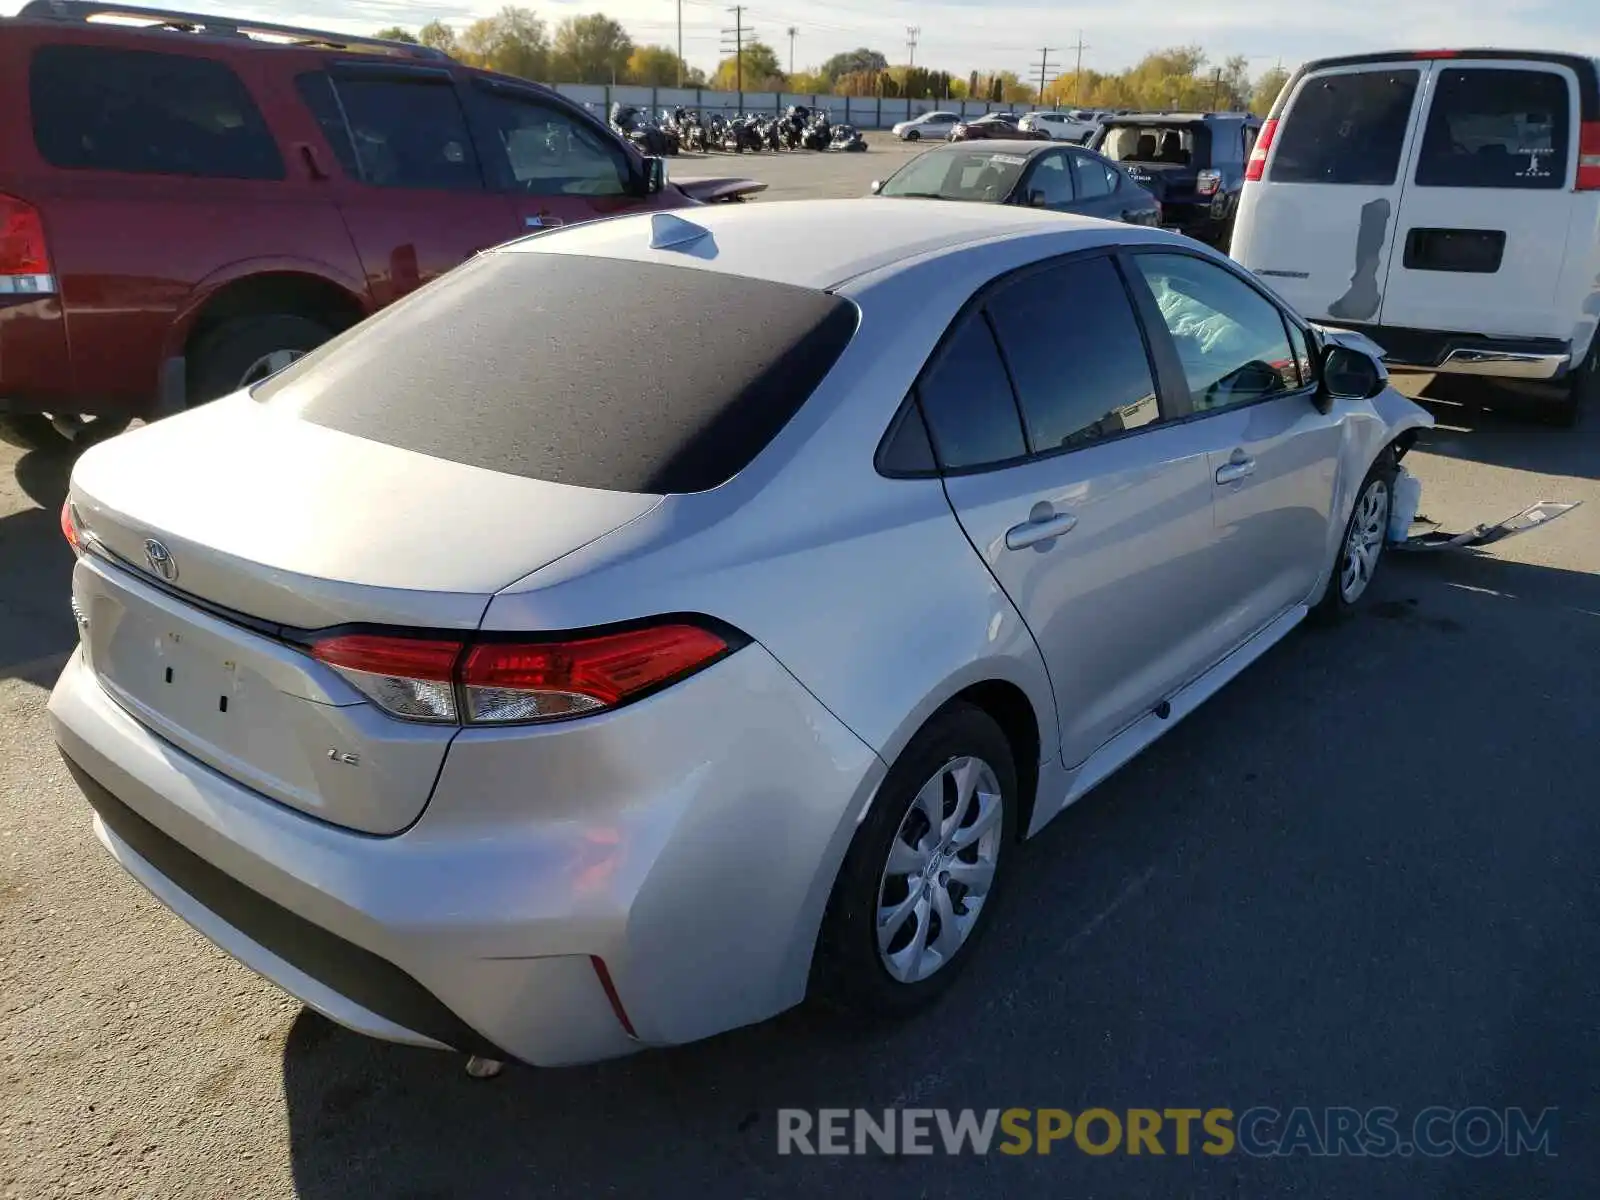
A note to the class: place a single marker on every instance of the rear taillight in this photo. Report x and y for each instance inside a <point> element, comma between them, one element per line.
<point>69,526</point>
<point>500,683</point>
<point>1589,156</point>
<point>1257,165</point>
<point>24,260</point>
<point>1207,182</point>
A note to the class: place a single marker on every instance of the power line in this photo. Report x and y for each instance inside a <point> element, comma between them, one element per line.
<point>1045,73</point>
<point>738,31</point>
<point>912,33</point>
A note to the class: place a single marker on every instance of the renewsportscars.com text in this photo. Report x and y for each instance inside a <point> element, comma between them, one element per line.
<point>1260,1131</point>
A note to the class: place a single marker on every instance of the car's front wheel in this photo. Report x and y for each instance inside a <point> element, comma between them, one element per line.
<point>1361,548</point>
<point>913,135</point>
<point>919,882</point>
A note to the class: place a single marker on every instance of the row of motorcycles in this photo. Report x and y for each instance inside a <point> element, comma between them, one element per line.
<point>797,128</point>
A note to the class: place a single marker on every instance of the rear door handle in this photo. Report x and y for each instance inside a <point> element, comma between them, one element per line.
<point>1032,532</point>
<point>1236,470</point>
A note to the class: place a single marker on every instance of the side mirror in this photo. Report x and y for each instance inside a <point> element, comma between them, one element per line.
<point>877,186</point>
<point>655,175</point>
<point>1348,375</point>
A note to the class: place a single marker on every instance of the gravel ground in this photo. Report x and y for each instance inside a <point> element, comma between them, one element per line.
<point>1363,875</point>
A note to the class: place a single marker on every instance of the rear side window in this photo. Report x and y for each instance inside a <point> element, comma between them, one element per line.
<point>596,372</point>
<point>1347,128</point>
<point>1496,129</point>
<point>316,89</point>
<point>1087,379</point>
<point>409,133</point>
<point>147,113</point>
<point>968,402</point>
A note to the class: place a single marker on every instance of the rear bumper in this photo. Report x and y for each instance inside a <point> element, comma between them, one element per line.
<point>1449,352</point>
<point>688,842</point>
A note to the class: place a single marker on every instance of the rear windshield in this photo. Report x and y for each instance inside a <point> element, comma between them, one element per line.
<point>596,372</point>
<point>1159,145</point>
<point>1491,128</point>
<point>1346,128</point>
<point>957,175</point>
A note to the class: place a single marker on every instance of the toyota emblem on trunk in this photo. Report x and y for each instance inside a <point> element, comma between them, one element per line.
<point>160,560</point>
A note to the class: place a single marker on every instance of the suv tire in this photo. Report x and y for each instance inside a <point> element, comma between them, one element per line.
<point>1582,391</point>
<point>246,350</point>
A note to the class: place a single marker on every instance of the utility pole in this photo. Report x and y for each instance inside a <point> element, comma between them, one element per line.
<point>1077,73</point>
<point>738,33</point>
<point>1045,74</point>
<point>1216,87</point>
<point>680,43</point>
<point>792,32</point>
<point>912,33</point>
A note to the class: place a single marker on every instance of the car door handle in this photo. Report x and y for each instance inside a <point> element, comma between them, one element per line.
<point>1236,470</point>
<point>1042,529</point>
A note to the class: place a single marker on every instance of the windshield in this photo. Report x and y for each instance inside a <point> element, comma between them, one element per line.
<point>964,174</point>
<point>1160,145</point>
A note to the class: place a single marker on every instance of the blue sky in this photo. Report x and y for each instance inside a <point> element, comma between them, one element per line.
<point>963,36</point>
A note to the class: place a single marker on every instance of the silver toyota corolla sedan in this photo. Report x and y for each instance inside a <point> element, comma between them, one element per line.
<point>654,622</point>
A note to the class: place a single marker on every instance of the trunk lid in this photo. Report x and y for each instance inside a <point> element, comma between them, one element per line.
<point>268,526</point>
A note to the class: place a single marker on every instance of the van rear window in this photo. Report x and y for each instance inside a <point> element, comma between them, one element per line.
<point>1346,128</point>
<point>1496,128</point>
<point>147,113</point>
<point>596,372</point>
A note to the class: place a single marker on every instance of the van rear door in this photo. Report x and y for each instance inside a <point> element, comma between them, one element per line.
<point>1319,225</point>
<point>1482,231</point>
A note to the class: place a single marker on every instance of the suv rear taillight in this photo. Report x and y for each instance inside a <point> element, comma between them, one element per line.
<point>1206,183</point>
<point>24,261</point>
<point>1589,156</point>
<point>481,682</point>
<point>1254,169</point>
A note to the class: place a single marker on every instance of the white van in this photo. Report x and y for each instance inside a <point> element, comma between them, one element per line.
<point>1445,203</point>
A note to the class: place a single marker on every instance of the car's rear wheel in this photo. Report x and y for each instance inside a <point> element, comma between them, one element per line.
<point>1361,548</point>
<point>1582,390</point>
<point>919,882</point>
<point>56,433</point>
<point>247,350</point>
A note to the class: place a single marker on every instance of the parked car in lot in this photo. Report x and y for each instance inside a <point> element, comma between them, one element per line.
<point>1446,203</point>
<point>1193,162</point>
<point>1062,127</point>
<point>1027,174</point>
<point>927,125</point>
<point>187,204</point>
<point>995,125</point>
<point>596,763</point>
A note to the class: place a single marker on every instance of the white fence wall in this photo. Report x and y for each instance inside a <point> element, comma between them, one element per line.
<point>866,112</point>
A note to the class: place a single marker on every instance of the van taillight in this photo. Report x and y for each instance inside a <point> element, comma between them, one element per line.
<point>449,680</point>
<point>1258,156</point>
<point>1589,156</point>
<point>24,261</point>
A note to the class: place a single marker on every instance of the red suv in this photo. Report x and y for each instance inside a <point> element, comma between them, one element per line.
<point>188,204</point>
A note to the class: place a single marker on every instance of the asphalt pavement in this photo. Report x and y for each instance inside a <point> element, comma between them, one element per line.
<point>1364,875</point>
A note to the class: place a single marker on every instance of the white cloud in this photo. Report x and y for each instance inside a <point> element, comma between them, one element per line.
<point>963,36</point>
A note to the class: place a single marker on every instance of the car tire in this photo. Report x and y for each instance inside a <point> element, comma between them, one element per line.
<point>852,969</point>
<point>1355,566</point>
<point>245,351</point>
<point>37,432</point>
<point>913,135</point>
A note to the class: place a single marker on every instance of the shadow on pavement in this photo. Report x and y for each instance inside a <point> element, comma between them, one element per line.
<point>36,628</point>
<point>1361,875</point>
<point>1494,424</point>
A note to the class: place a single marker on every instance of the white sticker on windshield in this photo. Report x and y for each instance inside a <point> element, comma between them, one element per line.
<point>1009,159</point>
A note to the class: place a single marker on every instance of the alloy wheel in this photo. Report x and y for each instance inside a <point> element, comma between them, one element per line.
<point>1364,543</point>
<point>940,867</point>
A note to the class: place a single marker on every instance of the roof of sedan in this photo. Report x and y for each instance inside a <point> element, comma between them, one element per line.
<point>807,243</point>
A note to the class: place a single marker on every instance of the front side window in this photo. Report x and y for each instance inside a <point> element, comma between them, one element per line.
<point>1050,184</point>
<point>409,134</point>
<point>148,113</point>
<point>1089,377</point>
<point>1496,129</point>
<point>1230,338</point>
<point>1094,178</point>
<point>1346,128</point>
<point>541,151</point>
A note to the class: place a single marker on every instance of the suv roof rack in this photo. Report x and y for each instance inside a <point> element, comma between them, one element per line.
<point>186,22</point>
